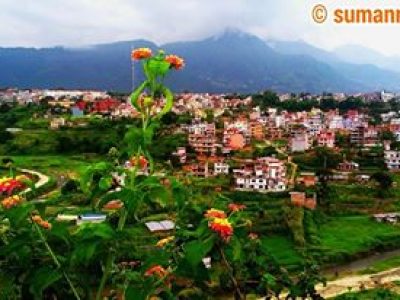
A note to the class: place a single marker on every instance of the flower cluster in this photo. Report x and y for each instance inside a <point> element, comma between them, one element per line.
<point>142,162</point>
<point>222,227</point>
<point>42,223</point>
<point>9,185</point>
<point>11,202</point>
<point>141,53</point>
<point>233,207</point>
<point>175,61</point>
<point>215,213</point>
<point>157,270</point>
<point>161,243</point>
<point>218,222</point>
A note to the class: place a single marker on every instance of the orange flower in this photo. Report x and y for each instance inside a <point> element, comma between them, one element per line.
<point>157,270</point>
<point>236,207</point>
<point>142,162</point>
<point>175,61</point>
<point>222,227</point>
<point>215,213</point>
<point>42,223</point>
<point>141,53</point>
<point>10,202</point>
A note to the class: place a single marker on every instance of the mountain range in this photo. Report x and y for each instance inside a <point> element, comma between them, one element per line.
<point>233,61</point>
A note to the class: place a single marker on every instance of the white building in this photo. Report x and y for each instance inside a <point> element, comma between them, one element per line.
<point>300,143</point>
<point>266,174</point>
<point>392,157</point>
<point>221,168</point>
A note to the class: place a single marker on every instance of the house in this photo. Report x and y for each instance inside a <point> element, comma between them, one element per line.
<point>221,168</point>
<point>326,138</point>
<point>105,106</point>
<point>202,137</point>
<point>392,218</point>
<point>300,199</point>
<point>313,124</point>
<point>391,157</point>
<point>348,166</point>
<point>56,123</point>
<point>307,179</point>
<point>203,144</point>
<point>199,169</point>
<point>266,174</point>
<point>236,135</point>
<point>299,143</point>
<point>257,130</point>
<point>181,154</point>
<point>364,135</point>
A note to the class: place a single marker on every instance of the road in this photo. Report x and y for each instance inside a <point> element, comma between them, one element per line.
<point>354,282</point>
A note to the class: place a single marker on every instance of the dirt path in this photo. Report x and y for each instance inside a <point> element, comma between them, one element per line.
<point>342,285</point>
<point>43,179</point>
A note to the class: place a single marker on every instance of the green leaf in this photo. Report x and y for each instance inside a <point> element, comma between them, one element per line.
<point>237,252</point>
<point>19,214</point>
<point>169,102</point>
<point>158,67</point>
<point>105,183</point>
<point>195,251</point>
<point>269,279</point>
<point>95,231</point>
<point>83,253</point>
<point>60,231</point>
<point>136,94</point>
<point>135,293</point>
<point>43,278</point>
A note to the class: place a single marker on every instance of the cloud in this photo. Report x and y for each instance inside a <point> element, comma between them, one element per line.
<point>84,22</point>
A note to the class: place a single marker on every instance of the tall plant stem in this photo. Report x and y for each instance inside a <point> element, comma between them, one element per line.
<point>111,256</point>
<point>56,261</point>
<point>231,275</point>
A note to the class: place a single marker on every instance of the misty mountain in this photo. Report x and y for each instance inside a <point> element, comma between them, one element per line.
<point>361,55</point>
<point>230,62</point>
<point>355,68</point>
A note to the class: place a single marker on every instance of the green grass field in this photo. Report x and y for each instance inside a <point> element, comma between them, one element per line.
<point>283,250</point>
<point>55,165</point>
<point>344,237</point>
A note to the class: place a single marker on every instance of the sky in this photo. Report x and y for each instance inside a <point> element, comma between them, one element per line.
<point>74,23</point>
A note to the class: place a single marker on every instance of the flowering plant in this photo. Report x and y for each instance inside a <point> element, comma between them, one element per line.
<point>9,186</point>
<point>212,250</point>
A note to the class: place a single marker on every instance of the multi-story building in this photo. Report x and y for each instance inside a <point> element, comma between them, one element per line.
<point>265,174</point>
<point>221,167</point>
<point>300,143</point>
<point>392,157</point>
<point>364,135</point>
<point>326,138</point>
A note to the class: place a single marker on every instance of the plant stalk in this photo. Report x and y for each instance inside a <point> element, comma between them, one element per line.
<point>56,261</point>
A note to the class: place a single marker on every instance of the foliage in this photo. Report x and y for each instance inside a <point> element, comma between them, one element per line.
<point>385,182</point>
<point>212,250</point>
<point>380,293</point>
